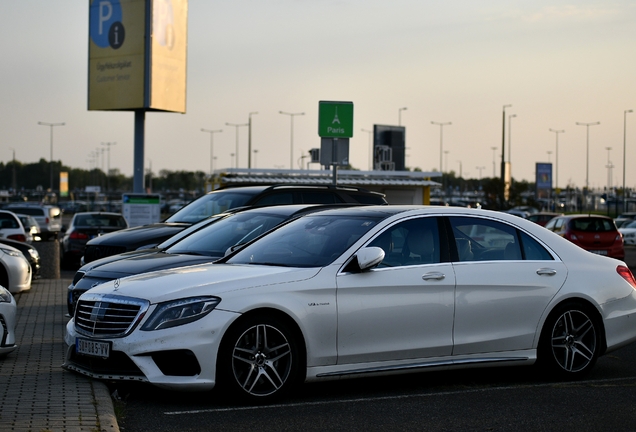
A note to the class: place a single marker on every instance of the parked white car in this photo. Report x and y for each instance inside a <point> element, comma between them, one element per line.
<point>8,312</point>
<point>359,291</point>
<point>629,233</point>
<point>11,227</point>
<point>15,270</point>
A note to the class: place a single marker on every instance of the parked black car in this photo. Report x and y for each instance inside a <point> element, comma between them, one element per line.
<point>83,227</point>
<point>204,242</point>
<point>30,253</point>
<point>219,201</point>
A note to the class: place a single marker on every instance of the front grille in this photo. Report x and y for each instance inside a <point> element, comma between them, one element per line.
<point>108,315</point>
<point>95,252</point>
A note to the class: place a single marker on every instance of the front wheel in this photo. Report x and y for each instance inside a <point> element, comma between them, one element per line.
<point>571,341</point>
<point>259,359</point>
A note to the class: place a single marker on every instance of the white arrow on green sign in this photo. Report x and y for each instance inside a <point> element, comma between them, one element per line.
<point>335,119</point>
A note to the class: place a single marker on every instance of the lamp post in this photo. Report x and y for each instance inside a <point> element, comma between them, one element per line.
<point>370,132</point>
<point>624,156</point>
<point>255,153</point>
<point>291,136</point>
<point>237,126</point>
<point>249,139</point>
<point>51,125</point>
<point>556,159</point>
<point>211,132</point>
<point>587,153</point>
<point>494,161</point>
<point>441,140</point>
<point>503,146</point>
<point>400,115</point>
<point>510,117</point>
<point>587,158</point>
<point>446,152</point>
<point>480,168</point>
<point>108,144</point>
<point>609,167</point>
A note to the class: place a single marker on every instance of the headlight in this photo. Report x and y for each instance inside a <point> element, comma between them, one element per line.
<point>5,295</point>
<point>179,312</point>
<point>11,252</point>
<point>34,254</point>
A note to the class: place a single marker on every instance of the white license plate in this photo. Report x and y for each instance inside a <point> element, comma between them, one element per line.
<point>599,252</point>
<point>92,348</point>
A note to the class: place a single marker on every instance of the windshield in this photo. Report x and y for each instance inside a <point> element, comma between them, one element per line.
<point>216,238</point>
<point>629,225</point>
<point>310,241</point>
<point>209,205</point>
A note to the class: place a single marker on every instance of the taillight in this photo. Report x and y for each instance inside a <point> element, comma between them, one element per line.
<point>18,237</point>
<point>46,221</point>
<point>78,236</point>
<point>626,274</point>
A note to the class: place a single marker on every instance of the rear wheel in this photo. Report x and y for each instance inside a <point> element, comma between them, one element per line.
<point>259,359</point>
<point>571,340</point>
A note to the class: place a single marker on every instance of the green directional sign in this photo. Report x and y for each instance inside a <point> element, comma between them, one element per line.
<point>335,119</point>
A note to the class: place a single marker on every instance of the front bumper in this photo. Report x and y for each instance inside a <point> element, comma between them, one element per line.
<point>179,358</point>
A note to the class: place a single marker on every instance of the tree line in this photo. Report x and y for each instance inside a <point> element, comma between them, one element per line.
<point>21,178</point>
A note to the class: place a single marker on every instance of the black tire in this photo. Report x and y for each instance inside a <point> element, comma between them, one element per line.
<point>571,341</point>
<point>259,359</point>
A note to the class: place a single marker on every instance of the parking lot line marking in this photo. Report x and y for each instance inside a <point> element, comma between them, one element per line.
<point>416,395</point>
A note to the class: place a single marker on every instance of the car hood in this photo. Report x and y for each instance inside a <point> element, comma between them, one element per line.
<point>198,280</point>
<point>140,264</point>
<point>113,258</point>
<point>139,236</point>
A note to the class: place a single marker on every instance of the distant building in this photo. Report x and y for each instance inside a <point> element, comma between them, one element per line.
<point>400,187</point>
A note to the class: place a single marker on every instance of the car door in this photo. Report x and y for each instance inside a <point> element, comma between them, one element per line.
<point>404,307</point>
<point>504,283</point>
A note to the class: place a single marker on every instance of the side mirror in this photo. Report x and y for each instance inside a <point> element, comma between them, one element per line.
<point>369,257</point>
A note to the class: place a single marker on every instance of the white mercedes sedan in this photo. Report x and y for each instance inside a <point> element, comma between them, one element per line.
<point>360,291</point>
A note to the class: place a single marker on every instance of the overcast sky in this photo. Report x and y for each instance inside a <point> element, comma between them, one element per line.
<point>556,62</point>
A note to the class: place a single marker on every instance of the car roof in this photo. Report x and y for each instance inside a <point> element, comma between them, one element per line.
<point>578,216</point>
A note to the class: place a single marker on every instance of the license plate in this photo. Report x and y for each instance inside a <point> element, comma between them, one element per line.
<point>599,252</point>
<point>92,348</point>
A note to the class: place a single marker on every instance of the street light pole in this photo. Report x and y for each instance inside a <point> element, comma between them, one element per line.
<point>211,132</point>
<point>510,117</point>
<point>441,142</point>
<point>556,158</point>
<point>370,132</point>
<point>108,144</point>
<point>51,125</point>
<point>249,139</point>
<point>494,161</point>
<point>291,136</point>
<point>400,115</point>
<point>624,156</point>
<point>609,170</point>
<point>237,126</point>
<point>503,150</point>
<point>587,152</point>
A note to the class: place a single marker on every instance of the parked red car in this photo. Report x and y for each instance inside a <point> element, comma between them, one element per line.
<point>594,233</point>
<point>543,218</point>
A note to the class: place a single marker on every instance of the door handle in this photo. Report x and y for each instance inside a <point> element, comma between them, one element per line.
<point>546,272</point>
<point>433,276</point>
